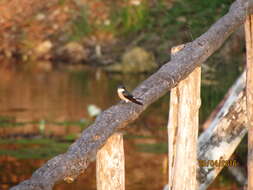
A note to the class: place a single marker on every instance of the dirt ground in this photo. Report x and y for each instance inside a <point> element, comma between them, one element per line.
<point>34,30</point>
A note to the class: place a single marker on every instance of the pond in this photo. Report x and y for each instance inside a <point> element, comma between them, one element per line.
<point>41,114</point>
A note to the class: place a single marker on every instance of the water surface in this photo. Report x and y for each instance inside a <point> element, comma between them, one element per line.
<point>41,114</point>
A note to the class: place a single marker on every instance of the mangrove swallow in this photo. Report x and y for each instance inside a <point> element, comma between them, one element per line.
<point>126,96</point>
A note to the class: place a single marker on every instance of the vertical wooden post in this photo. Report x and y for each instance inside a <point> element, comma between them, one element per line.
<point>249,96</point>
<point>173,125</point>
<point>172,133</point>
<point>183,131</point>
<point>110,164</point>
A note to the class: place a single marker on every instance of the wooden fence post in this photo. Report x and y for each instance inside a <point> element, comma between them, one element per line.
<point>249,95</point>
<point>110,164</point>
<point>183,131</point>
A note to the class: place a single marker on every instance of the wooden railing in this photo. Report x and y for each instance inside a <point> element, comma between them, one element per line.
<point>182,133</point>
<point>249,95</point>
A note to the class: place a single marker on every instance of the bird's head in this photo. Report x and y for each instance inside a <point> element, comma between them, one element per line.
<point>121,88</point>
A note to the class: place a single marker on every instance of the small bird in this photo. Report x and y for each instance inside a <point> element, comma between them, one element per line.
<point>126,96</point>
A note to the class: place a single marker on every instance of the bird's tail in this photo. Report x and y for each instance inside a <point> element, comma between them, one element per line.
<point>133,99</point>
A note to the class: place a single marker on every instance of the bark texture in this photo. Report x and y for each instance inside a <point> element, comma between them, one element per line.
<point>173,121</point>
<point>223,135</point>
<point>110,164</point>
<point>184,161</point>
<point>249,96</point>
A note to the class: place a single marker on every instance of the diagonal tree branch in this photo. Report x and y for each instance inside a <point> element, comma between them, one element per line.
<point>225,132</point>
<point>83,151</point>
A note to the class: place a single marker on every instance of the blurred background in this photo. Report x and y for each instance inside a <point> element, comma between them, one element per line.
<point>61,62</point>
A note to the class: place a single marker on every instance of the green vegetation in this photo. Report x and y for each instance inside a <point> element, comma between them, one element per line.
<point>81,26</point>
<point>123,20</point>
<point>193,16</point>
<point>132,136</point>
<point>70,137</point>
<point>212,94</point>
<point>190,18</point>
<point>43,148</point>
<point>4,123</point>
<point>158,148</point>
<point>6,120</point>
<point>131,18</point>
<point>61,2</point>
<point>81,123</point>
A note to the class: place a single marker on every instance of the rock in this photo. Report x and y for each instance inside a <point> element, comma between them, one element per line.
<point>8,53</point>
<point>135,2</point>
<point>81,3</point>
<point>40,16</point>
<point>73,52</point>
<point>43,48</point>
<point>181,19</point>
<point>135,60</point>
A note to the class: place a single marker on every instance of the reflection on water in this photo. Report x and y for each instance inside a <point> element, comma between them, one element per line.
<point>50,111</point>
<point>56,96</point>
<point>41,114</point>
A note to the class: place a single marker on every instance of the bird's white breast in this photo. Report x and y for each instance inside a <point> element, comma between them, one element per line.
<point>122,97</point>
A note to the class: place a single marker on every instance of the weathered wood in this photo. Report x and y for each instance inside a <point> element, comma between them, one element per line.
<point>83,151</point>
<point>172,125</point>
<point>249,96</point>
<point>110,164</point>
<point>224,134</point>
<point>183,130</point>
<point>238,173</point>
<point>186,135</point>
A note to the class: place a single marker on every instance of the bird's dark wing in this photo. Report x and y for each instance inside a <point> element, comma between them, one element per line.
<point>131,98</point>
